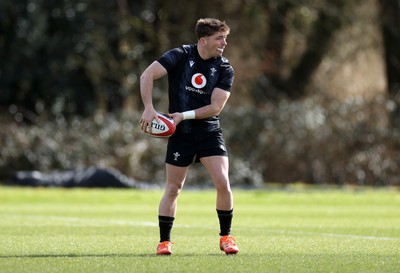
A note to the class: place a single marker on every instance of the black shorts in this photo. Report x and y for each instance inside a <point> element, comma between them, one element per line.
<point>184,149</point>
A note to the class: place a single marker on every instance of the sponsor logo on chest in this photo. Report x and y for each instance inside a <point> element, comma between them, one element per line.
<point>199,80</point>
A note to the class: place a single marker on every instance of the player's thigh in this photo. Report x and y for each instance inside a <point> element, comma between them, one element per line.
<point>218,168</point>
<point>176,175</point>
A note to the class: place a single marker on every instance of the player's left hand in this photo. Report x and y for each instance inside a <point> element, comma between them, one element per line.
<point>178,117</point>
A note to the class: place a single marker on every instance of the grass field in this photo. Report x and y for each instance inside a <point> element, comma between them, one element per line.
<point>83,230</point>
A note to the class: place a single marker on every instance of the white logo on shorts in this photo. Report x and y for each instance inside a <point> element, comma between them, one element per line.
<point>176,155</point>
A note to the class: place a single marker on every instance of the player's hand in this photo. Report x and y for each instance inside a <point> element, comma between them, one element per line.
<point>178,117</point>
<point>147,117</point>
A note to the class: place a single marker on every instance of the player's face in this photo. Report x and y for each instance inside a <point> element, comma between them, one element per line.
<point>216,44</point>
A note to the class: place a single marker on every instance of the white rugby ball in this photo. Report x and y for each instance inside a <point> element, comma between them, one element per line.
<point>164,128</point>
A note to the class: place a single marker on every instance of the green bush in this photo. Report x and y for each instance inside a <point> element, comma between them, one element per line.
<point>319,140</point>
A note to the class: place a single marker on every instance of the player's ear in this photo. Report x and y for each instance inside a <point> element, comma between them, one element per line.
<point>202,41</point>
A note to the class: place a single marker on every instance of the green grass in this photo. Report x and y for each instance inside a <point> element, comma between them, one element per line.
<point>78,230</point>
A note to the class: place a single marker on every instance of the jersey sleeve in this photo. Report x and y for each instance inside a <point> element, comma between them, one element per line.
<point>171,58</point>
<point>226,77</point>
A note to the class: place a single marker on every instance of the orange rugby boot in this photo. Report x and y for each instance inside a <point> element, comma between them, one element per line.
<point>164,248</point>
<point>228,244</point>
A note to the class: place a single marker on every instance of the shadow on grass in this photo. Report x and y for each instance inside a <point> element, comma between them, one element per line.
<point>68,255</point>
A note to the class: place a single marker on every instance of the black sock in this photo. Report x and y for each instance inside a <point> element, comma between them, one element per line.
<point>165,223</point>
<point>225,221</point>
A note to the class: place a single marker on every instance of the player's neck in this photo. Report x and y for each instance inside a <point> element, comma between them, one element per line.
<point>203,53</point>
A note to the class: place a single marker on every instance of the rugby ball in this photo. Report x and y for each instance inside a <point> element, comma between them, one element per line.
<point>164,128</point>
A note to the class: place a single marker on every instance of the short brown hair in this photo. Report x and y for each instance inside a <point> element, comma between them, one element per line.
<point>209,26</point>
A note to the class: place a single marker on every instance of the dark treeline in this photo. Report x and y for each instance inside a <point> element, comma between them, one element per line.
<point>77,57</point>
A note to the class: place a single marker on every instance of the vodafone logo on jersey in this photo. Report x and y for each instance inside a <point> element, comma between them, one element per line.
<point>198,80</point>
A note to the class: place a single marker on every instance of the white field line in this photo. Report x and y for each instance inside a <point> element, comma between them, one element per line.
<point>93,222</point>
<point>77,221</point>
<point>349,236</point>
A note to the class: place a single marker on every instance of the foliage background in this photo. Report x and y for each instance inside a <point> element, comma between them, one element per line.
<point>315,99</point>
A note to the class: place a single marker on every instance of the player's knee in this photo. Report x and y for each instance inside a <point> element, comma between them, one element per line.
<point>174,189</point>
<point>222,185</point>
